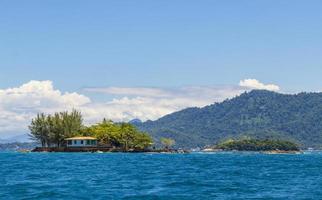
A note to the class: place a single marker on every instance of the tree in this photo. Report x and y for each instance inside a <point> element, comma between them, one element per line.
<point>127,135</point>
<point>167,142</point>
<point>142,141</point>
<point>72,123</point>
<point>120,135</point>
<point>39,130</point>
<point>106,132</point>
<point>52,130</point>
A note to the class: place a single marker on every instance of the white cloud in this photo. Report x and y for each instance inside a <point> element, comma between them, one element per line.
<point>255,84</point>
<point>39,95</point>
<point>19,105</point>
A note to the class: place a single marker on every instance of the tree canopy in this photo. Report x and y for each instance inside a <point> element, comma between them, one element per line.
<point>52,130</point>
<point>123,135</point>
<point>257,145</point>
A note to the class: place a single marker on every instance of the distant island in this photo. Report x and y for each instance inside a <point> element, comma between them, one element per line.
<point>258,114</point>
<point>267,145</point>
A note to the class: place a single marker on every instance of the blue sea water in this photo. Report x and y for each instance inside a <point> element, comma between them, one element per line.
<point>159,176</point>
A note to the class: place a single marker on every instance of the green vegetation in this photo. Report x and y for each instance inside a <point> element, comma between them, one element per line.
<point>257,145</point>
<point>122,135</point>
<point>167,142</point>
<point>52,130</point>
<point>258,114</point>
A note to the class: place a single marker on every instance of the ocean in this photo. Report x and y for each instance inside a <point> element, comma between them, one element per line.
<point>160,176</point>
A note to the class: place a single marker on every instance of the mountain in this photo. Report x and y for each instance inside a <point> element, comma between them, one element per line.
<point>135,121</point>
<point>16,138</point>
<point>16,146</point>
<point>257,114</point>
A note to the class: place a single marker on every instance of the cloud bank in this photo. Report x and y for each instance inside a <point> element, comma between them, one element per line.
<point>18,105</point>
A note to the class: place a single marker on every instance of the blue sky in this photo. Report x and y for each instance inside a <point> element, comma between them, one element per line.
<point>161,43</point>
<point>172,53</point>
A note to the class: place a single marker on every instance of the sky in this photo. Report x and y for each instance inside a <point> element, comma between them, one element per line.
<point>145,59</point>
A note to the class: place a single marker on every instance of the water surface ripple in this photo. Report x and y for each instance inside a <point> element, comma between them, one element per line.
<point>159,176</point>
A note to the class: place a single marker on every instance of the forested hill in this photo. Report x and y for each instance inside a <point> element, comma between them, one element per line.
<point>258,114</point>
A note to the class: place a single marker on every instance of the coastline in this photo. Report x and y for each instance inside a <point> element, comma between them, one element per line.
<point>102,150</point>
<point>116,150</point>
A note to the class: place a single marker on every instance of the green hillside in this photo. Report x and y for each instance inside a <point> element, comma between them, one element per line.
<point>258,114</point>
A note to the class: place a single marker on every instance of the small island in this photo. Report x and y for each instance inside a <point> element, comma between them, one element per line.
<point>271,146</point>
<point>66,132</point>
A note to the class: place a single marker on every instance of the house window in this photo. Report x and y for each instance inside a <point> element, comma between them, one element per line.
<point>69,142</point>
<point>88,142</point>
<point>75,142</point>
<point>82,142</point>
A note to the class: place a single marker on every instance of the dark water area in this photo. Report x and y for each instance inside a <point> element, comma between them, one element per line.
<point>160,176</point>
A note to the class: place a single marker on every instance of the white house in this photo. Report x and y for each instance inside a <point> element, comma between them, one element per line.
<point>81,142</point>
